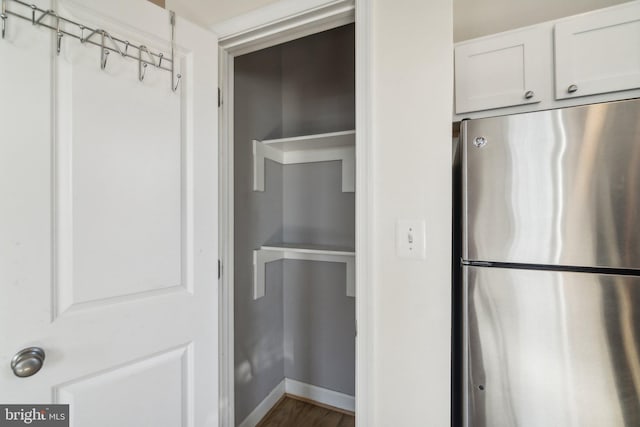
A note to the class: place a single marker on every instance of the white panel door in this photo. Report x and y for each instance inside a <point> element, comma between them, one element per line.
<point>108,218</point>
<point>501,71</point>
<point>598,52</point>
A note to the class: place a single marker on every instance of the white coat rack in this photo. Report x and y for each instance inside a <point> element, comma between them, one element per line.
<point>97,37</point>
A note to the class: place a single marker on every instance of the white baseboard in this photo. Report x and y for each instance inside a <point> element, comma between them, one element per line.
<point>265,406</point>
<point>307,391</point>
<point>320,395</point>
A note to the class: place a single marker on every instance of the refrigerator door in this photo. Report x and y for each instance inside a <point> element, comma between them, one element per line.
<point>557,187</point>
<point>548,348</point>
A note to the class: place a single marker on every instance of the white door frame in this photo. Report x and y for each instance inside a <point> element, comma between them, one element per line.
<point>274,24</point>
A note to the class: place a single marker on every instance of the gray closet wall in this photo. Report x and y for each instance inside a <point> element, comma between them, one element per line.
<point>259,324</point>
<point>304,326</point>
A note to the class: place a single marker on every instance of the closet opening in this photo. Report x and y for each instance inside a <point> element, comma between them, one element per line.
<point>294,222</point>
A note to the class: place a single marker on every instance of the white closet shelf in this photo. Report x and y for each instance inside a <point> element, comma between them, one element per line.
<point>307,149</point>
<point>311,249</point>
<point>310,252</point>
<point>314,142</point>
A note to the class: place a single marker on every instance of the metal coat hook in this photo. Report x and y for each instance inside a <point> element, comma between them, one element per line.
<point>175,79</point>
<point>105,50</point>
<point>175,87</point>
<point>105,56</point>
<point>161,55</point>
<point>126,48</point>
<point>142,65</point>
<point>3,16</point>
<point>59,35</point>
<point>59,43</point>
<point>49,12</point>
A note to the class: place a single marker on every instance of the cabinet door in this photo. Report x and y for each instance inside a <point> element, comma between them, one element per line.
<point>598,52</point>
<point>500,71</point>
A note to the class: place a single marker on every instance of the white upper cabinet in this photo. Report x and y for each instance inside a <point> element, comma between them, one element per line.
<point>598,52</point>
<point>583,59</point>
<point>501,70</point>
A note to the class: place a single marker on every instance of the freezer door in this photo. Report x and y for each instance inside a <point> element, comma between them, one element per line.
<point>545,348</point>
<point>558,187</point>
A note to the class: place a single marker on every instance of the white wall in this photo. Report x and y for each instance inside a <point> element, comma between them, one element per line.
<point>475,18</point>
<point>412,87</point>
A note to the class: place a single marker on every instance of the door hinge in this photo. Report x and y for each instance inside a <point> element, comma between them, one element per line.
<point>219,98</point>
<point>219,269</point>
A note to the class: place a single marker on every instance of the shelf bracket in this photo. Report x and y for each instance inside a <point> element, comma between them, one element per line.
<point>263,256</point>
<point>307,149</point>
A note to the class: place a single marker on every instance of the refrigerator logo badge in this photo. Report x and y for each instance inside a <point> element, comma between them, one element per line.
<point>479,141</point>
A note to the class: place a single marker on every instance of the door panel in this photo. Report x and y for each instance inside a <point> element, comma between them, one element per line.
<point>554,187</point>
<point>166,404</point>
<point>108,244</point>
<point>122,187</point>
<point>545,348</point>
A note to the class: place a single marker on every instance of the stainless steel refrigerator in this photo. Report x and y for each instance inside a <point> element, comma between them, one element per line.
<point>551,268</point>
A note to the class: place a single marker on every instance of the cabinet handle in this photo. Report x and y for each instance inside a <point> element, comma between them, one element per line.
<point>572,88</point>
<point>529,94</point>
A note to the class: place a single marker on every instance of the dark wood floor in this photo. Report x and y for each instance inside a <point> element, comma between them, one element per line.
<point>291,412</point>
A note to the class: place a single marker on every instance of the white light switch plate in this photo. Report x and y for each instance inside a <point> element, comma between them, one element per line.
<point>410,239</point>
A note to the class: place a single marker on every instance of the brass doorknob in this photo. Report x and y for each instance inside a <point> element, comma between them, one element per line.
<point>27,361</point>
